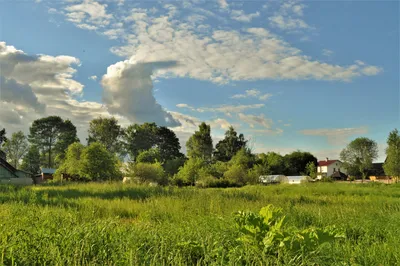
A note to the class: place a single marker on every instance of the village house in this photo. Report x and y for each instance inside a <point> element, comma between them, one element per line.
<point>10,175</point>
<point>328,168</point>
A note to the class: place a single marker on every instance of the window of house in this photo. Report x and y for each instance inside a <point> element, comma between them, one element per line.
<point>334,169</point>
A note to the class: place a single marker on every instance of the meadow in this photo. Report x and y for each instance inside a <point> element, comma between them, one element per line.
<point>118,224</point>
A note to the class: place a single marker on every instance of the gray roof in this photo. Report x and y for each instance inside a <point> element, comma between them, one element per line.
<point>48,170</point>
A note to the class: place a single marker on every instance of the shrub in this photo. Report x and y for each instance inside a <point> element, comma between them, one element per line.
<point>147,173</point>
<point>149,156</point>
<point>96,163</point>
<point>236,174</point>
<point>171,167</point>
<point>190,172</point>
<point>326,179</point>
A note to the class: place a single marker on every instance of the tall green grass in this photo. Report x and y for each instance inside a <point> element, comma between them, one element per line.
<point>116,224</point>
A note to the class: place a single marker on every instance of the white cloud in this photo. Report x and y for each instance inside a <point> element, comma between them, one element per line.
<point>33,86</point>
<point>254,120</point>
<point>253,93</point>
<point>336,136</point>
<point>288,23</point>
<point>327,52</point>
<point>223,4</point>
<point>239,15</point>
<point>89,14</point>
<point>227,109</point>
<point>94,77</point>
<point>128,91</point>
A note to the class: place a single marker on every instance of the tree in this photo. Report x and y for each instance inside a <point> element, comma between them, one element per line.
<point>296,162</point>
<point>52,136</point>
<point>229,146</point>
<point>147,172</point>
<point>190,172</point>
<point>139,138</point>
<point>72,163</point>
<point>150,156</point>
<point>31,160</point>
<point>68,136</point>
<point>15,148</point>
<point>108,132</point>
<point>98,164</point>
<point>168,144</point>
<point>3,137</point>
<point>392,162</point>
<point>200,143</point>
<point>359,155</point>
<point>273,162</point>
<point>311,170</point>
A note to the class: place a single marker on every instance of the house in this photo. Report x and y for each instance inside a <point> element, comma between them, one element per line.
<point>46,174</point>
<point>328,167</point>
<point>10,175</point>
<point>273,179</point>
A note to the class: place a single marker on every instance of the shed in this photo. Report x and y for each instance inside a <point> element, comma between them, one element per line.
<point>298,179</point>
<point>339,176</point>
<point>10,175</point>
<point>47,173</point>
<point>273,179</point>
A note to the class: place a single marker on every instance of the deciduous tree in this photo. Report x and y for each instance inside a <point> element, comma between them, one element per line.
<point>108,132</point>
<point>15,148</point>
<point>392,163</point>
<point>52,136</point>
<point>31,160</point>
<point>359,155</point>
<point>229,146</point>
<point>200,143</point>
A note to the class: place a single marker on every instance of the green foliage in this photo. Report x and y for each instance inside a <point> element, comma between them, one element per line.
<point>327,179</point>
<point>31,160</point>
<point>172,166</point>
<point>267,232</point>
<point>392,163</point>
<point>72,163</point>
<point>358,156</point>
<point>243,158</point>
<point>236,174</point>
<point>52,135</point>
<point>229,146</point>
<point>311,170</point>
<point>190,172</point>
<point>3,137</point>
<point>273,162</point>
<point>147,173</point>
<point>108,132</point>
<point>149,156</point>
<point>128,224</point>
<point>200,144</point>
<point>217,169</point>
<point>297,161</point>
<point>139,138</point>
<point>15,148</point>
<point>96,163</point>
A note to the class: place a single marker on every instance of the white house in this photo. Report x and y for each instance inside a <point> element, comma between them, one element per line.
<point>328,167</point>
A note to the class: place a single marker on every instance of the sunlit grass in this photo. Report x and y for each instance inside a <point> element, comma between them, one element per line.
<point>116,224</point>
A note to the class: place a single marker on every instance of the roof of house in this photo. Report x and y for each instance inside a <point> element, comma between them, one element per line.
<point>327,162</point>
<point>48,170</point>
<point>377,169</point>
<point>8,166</point>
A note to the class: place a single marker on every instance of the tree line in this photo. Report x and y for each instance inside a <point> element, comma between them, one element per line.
<point>153,154</point>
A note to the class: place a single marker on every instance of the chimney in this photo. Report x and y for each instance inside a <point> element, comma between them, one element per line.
<point>327,159</point>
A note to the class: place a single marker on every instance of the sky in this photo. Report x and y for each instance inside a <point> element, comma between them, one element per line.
<point>308,75</point>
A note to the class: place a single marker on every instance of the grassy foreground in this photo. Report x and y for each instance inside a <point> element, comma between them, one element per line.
<point>116,224</point>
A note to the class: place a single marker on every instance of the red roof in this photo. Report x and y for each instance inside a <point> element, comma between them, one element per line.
<point>326,162</point>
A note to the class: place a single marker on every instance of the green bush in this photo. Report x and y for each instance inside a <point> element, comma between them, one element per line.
<point>236,174</point>
<point>149,156</point>
<point>326,179</point>
<point>190,172</point>
<point>147,173</point>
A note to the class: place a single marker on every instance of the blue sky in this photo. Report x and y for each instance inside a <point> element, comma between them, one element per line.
<point>310,75</point>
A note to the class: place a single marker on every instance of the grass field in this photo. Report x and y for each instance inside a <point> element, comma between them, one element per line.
<point>115,224</point>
